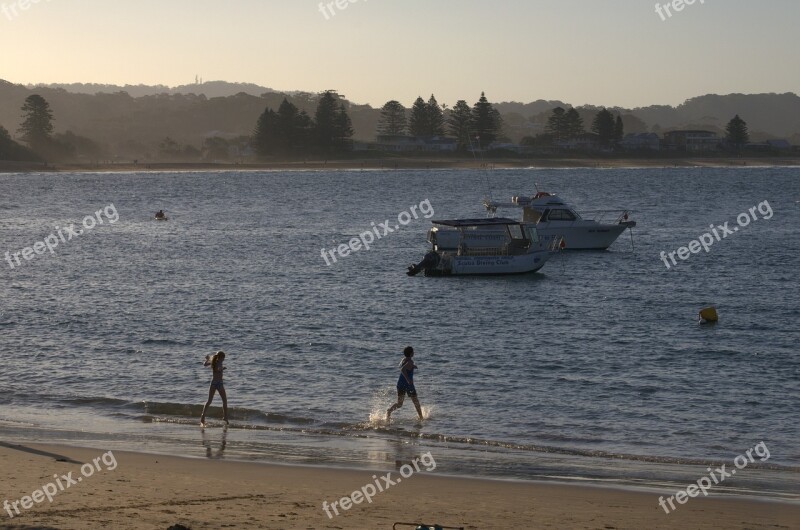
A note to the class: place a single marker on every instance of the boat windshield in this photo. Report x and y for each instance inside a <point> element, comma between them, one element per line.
<point>516,232</point>
<point>533,235</point>
<point>559,215</point>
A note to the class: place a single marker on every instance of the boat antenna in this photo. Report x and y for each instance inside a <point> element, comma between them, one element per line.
<point>485,165</point>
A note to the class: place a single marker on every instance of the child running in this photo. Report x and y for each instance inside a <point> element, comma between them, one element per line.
<point>405,385</point>
<point>215,362</point>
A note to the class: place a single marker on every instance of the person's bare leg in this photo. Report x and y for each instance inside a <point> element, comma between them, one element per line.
<point>417,405</point>
<point>224,397</point>
<point>208,403</point>
<point>400,398</point>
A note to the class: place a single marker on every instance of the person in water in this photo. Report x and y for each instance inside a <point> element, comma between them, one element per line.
<point>405,385</point>
<point>215,362</point>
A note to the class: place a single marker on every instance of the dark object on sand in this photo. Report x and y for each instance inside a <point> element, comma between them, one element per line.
<point>419,526</point>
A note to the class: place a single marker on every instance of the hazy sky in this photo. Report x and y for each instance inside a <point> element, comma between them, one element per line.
<point>612,52</point>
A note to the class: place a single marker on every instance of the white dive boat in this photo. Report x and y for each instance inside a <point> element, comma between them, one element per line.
<point>483,246</point>
<point>555,219</point>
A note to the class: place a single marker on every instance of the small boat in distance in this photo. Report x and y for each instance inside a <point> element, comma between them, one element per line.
<point>161,216</point>
<point>483,246</point>
<point>555,219</point>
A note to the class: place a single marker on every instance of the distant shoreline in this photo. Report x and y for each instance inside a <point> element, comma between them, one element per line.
<point>409,163</point>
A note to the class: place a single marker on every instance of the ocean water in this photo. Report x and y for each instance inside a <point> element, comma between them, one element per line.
<point>594,369</point>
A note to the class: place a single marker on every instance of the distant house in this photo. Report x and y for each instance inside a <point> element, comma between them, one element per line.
<point>583,142</point>
<point>514,148</point>
<point>641,142</point>
<point>779,145</point>
<point>410,144</point>
<point>692,141</point>
<point>770,146</point>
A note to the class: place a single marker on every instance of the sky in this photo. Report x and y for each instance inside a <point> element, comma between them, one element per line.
<point>611,53</point>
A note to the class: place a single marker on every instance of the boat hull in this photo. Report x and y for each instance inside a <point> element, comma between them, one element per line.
<point>490,265</point>
<point>597,237</point>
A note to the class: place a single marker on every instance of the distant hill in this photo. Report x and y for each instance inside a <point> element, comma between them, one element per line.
<point>210,89</point>
<point>134,120</point>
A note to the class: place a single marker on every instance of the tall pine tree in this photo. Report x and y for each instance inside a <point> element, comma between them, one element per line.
<point>419,124</point>
<point>435,117</point>
<point>485,123</point>
<point>459,122</point>
<point>737,133</point>
<point>393,119</point>
<point>574,124</point>
<point>37,128</point>
<point>326,122</point>
<point>619,129</point>
<point>266,135</point>
<point>557,125</point>
<point>603,126</point>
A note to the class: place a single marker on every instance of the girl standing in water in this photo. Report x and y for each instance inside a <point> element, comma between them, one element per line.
<point>215,362</point>
<point>405,385</point>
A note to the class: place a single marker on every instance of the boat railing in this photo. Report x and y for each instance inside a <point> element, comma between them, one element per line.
<point>608,216</point>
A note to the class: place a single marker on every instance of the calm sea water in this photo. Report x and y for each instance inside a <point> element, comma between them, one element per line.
<point>594,368</point>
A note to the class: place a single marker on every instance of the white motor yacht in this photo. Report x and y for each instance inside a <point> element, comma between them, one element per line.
<point>555,219</point>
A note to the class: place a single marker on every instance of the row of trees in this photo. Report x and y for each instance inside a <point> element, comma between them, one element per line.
<point>564,125</point>
<point>477,126</point>
<point>290,131</point>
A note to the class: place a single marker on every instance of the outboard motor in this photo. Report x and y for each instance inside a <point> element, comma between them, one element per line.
<point>430,261</point>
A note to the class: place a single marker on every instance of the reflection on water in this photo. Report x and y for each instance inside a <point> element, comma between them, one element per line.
<point>215,445</point>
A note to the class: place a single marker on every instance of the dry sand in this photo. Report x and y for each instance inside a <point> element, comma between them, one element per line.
<point>156,492</point>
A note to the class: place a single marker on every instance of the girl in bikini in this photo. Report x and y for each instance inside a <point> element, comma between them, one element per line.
<point>215,362</point>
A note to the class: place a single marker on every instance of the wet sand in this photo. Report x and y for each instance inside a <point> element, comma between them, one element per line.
<point>155,492</point>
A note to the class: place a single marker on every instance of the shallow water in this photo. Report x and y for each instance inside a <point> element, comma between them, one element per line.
<point>555,374</point>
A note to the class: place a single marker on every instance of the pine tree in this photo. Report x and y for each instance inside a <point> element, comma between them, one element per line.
<point>37,129</point>
<point>344,130</point>
<point>603,126</point>
<point>619,129</point>
<point>266,134</point>
<point>737,133</point>
<point>288,136</point>
<point>485,122</point>
<point>458,124</point>
<point>419,124</point>
<point>573,124</point>
<point>325,120</point>
<point>435,117</point>
<point>393,119</point>
<point>557,125</point>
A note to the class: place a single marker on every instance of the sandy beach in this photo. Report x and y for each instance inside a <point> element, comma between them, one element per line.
<point>146,491</point>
